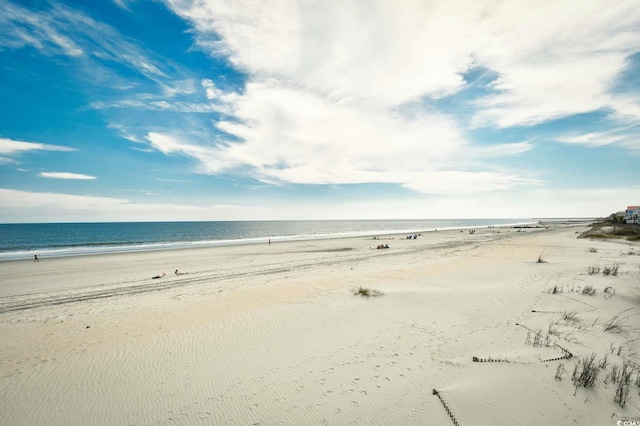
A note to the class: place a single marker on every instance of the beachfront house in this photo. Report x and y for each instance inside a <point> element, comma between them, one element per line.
<point>632,215</point>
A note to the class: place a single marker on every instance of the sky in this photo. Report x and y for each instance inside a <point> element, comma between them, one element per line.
<point>141,110</point>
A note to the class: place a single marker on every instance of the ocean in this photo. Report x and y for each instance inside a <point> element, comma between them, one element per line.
<point>22,241</point>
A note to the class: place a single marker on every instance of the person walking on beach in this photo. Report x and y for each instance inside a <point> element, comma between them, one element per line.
<point>35,258</point>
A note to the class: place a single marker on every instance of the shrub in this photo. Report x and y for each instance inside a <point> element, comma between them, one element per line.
<point>610,270</point>
<point>555,289</point>
<point>589,290</point>
<point>367,292</point>
<point>593,250</point>
<point>604,362</point>
<point>615,373</point>
<point>616,323</point>
<point>593,270</point>
<point>585,372</point>
<point>624,380</point>
<point>570,317</point>
<point>614,270</point>
<point>559,371</point>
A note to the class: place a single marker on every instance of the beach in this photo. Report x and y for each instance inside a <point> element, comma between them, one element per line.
<point>273,333</point>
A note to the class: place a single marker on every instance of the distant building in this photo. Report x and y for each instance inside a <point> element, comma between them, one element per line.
<point>632,214</point>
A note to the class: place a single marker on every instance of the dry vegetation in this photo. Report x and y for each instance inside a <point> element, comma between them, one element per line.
<point>607,229</point>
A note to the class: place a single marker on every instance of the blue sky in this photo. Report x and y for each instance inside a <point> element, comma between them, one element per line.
<point>139,110</point>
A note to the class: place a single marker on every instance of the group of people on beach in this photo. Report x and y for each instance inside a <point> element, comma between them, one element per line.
<point>164,275</point>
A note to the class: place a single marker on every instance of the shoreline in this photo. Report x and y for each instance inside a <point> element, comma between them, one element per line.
<point>274,334</point>
<point>137,268</point>
<point>181,245</point>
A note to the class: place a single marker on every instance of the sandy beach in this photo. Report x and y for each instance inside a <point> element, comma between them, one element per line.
<point>273,334</point>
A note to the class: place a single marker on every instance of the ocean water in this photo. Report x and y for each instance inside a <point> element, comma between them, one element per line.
<point>22,241</point>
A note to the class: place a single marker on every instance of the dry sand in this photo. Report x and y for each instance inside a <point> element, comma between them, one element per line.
<point>263,334</point>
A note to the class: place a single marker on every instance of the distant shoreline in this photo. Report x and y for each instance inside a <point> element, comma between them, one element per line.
<point>70,250</point>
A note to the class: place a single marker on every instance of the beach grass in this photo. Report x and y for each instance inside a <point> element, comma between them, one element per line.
<point>367,292</point>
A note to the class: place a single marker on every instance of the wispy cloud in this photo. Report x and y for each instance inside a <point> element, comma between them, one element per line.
<point>5,160</point>
<point>65,175</point>
<point>59,30</point>
<point>500,150</point>
<point>173,180</point>
<point>13,147</point>
<point>625,137</point>
<point>160,105</point>
<point>124,4</point>
<point>124,132</point>
<point>24,28</point>
<point>591,139</point>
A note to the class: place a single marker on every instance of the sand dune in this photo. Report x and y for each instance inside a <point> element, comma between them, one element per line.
<point>274,335</point>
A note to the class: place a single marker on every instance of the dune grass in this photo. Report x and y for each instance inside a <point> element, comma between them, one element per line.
<point>367,292</point>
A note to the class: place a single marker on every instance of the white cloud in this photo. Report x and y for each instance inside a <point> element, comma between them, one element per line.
<point>159,105</point>
<point>23,199</point>
<point>626,108</point>
<point>22,206</point>
<point>208,157</point>
<point>211,90</point>
<point>534,93</point>
<point>13,147</point>
<point>65,175</point>
<point>334,89</point>
<point>5,160</point>
<point>60,30</point>
<point>500,150</point>
<point>23,28</point>
<point>371,50</point>
<point>123,4</point>
<point>167,145</point>
<point>624,136</point>
<point>456,182</point>
<point>553,58</point>
<point>173,180</point>
<point>593,139</point>
<point>124,132</point>
<point>341,143</point>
